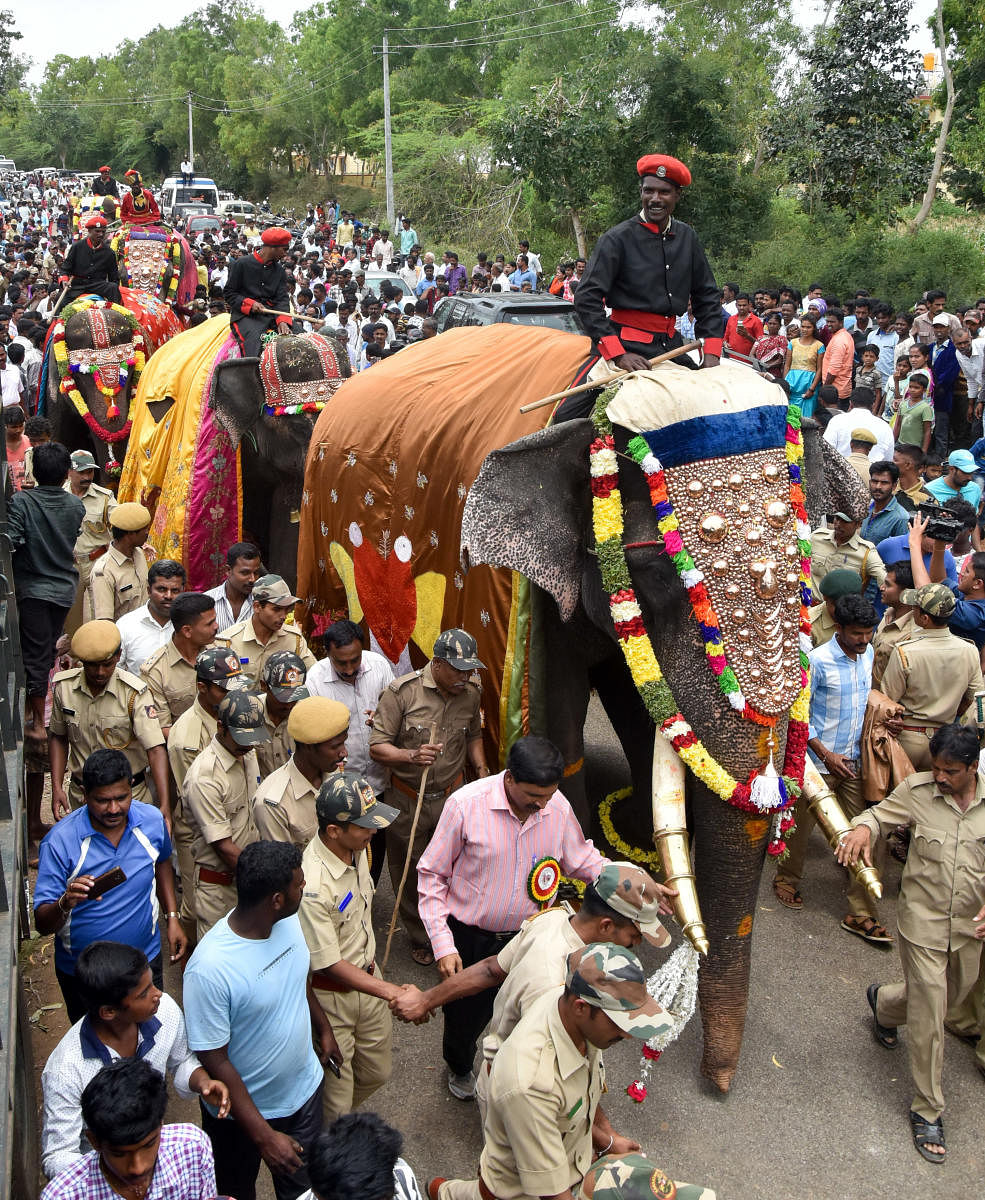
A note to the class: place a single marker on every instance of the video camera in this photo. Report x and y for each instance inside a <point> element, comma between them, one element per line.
<point>942,526</point>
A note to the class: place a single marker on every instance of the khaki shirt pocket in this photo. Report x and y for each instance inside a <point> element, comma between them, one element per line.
<point>929,843</point>
<point>414,734</point>
<point>116,734</point>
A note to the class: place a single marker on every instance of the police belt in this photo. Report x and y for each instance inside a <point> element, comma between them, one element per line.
<point>430,793</point>
<point>92,555</point>
<point>322,981</point>
<point>208,875</point>
<point>137,780</point>
<point>929,729</point>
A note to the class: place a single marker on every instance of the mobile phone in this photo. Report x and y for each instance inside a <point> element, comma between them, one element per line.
<point>105,882</point>
<point>334,1067</point>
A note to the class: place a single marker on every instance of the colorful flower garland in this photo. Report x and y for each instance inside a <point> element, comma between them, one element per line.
<point>172,259</point>
<point>292,410</point>
<point>760,793</point>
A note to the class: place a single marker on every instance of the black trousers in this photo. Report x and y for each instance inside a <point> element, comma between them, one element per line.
<point>237,1157</point>
<point>41,624</point>
<point>465,1019</point>
<point>75,1005</point>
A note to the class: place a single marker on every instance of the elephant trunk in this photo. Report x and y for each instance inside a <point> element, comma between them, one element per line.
<point>671,839</point>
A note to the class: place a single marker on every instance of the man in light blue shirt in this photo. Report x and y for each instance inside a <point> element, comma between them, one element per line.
<point>841,677</point>
<point>408,237</point>
<point>249,1013</point>
<point>887,339</point>
<point>523,274</point>
<point>957,480</point>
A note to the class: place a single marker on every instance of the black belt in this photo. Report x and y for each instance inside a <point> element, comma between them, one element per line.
<point>501,938</point>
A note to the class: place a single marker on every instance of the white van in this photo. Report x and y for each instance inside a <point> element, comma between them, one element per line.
<point>241,211</point>
<point>7,164</point>
<point>202,195</point>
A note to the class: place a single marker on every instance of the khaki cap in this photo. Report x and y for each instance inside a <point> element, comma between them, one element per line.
<point>863,435</point>
<point>130,517</point>
<point>629,891</point>
<point>95,641</point>
<point>317,719</point>
<point>611,978</point>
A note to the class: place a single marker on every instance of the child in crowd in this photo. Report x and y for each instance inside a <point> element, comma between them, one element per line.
<point>17,444</point>
<point>896,388</point>
<point>932,469</point>
<point>868,376</point>
<point>914,421</point>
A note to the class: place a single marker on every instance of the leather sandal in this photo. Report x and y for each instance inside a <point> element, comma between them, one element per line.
<point>788,895</point>
<point>886,1035</point>
<point>422,955</point>
<point>869,930</point>
<point>927,1133</point>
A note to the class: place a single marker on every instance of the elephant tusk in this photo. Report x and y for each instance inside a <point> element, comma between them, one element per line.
<point>671,839</point>
<point>829,814</point>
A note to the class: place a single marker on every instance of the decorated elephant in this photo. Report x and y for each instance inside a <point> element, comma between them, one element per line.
<point>156,259</point>
<point>659,555</point>
<point>219,444</point>
<point>94,356</point>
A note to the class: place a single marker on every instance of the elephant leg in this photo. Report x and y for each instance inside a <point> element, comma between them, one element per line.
<point>633,726</point>
<point>729,847</point>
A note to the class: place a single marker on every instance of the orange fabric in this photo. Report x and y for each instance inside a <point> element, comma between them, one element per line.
<point>393,454</point>
<point>884,763</point>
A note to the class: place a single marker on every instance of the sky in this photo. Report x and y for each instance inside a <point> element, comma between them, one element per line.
<point>68,27</point>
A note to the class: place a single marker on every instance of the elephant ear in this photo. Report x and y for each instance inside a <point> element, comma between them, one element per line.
<point>236,396</point>
<point>528,510</point>
<point>831,483</point>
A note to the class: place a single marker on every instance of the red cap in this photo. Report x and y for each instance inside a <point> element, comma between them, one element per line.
<point>276,236</point>
<point>95,219</point>
<point>664,167</point>
<point>101,169</point>
<point>132,174</point>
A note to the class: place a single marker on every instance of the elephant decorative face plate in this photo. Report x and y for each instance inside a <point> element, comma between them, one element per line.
<point>299,370</point>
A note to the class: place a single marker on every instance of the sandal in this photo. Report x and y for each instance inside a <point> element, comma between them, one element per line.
<point>787,894</point>
<point>868,929</point>
<point>927,1133</point>
<point>886,1035</point>
<point>422,955</point>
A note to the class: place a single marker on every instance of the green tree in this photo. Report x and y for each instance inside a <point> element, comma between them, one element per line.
<point>964,24</point>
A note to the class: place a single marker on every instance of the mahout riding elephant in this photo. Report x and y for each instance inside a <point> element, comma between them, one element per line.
<point>220,441</point>
<point>527,503</point>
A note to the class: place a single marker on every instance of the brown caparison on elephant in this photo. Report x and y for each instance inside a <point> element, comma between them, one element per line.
<point>530,509</point>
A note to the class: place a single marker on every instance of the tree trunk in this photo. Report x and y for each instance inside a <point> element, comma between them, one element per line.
<point>579,233</point>
<point>935,171</point>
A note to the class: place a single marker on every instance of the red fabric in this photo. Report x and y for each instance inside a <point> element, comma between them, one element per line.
<point>735,341</point>
<point>248,305</point>
<point>713,346</point>
<point>148,215</point>
<point>611,347</point>
<point>654,322</point>
<point>664,167</point>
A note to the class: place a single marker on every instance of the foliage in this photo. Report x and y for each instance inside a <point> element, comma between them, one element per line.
<point>964,26</point>
<point>11,67</point>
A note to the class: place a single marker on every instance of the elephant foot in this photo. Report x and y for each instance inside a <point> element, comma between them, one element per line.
<point>720,1076</point>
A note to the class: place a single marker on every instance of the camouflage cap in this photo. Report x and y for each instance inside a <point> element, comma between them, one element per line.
<point>611,978</point>
<point>272,589</point>
<point>284,674</point>
<point>458,649</point>
<point>242,714</point>
<point>842,581</point>
<point>634,1177</point>
<point>219,665</point>
<point>629,891</point>
<point>346,798</point>
<point>935,599</point>
<point>82,460</point>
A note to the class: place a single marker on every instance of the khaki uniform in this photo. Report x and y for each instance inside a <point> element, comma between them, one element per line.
<point>543,1093</point>
<point>942,888</point>
<point>822,624</point>
<point>284,806</point>
<point>189,736</point>
<point>934,675</point>
<point>276,752</point>
<point>122,717</point>
<point>91,543</point>
<point>337,920</point>
<point>856,554</point>
<point>117,585</point>
<point>861,464</point>
<point>172,681</point>
<point>217,798</point>
<point>241,638</point>
<point>887,637</point>
<point>403,718</point>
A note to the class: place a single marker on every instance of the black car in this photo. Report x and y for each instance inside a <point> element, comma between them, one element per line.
<point>515,308</point>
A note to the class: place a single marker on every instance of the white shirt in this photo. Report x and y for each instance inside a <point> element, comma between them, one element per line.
<point>411,275</point>
<point>375,674</point>
<point>140,636</point>
<point>224,614</point>
<point>386,249</point>
<point>839,433</point>
<point>10,384</point>
<point>971,367</point>
<point>533,261</point>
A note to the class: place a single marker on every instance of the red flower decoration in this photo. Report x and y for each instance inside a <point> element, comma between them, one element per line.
<point>637,1091</point>
<point>650,1053</point>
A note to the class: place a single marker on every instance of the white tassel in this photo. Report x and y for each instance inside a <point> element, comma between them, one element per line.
<point>737,700</point>
<point>691,579</point>
<point>805,643</point>
<point>766,792</point>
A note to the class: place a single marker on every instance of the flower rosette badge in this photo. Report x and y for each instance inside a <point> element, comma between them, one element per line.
<point>543,881</point>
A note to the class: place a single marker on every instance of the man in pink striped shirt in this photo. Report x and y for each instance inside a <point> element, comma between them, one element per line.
<point>475,879</point>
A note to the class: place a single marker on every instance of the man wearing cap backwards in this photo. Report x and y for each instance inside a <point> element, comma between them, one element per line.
<point>265,632</point>
<point>93,541</point>
<point>217,800</point>
<point>477,879</point>
<point>441,694</point>
<point>90,267</point>
<point>138,206</point>
<point>544,1122</point>
<point>841,545</point>
<point>284,806</point>
<point>105,185</point>
<point>118,583</point>
<point>217,671</point>
<point>645,270</point>
<point>258,280</point>
<point>171,671</point>
<point>837,583</point>
<point>336,917</point>
<point>282,683</point>
<point>98,706</point>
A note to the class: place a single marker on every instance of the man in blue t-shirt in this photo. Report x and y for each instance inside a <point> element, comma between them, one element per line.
<point>249,1013</point>
<point>110,831</point>
<point>957,481</point>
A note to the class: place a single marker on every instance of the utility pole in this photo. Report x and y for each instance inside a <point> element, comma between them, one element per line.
<point>191,136</point>
<point>387,136</point>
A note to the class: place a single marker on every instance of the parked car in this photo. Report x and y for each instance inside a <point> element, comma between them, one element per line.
<point>516,308</point>
<point>198,224</point>
<point>374,278</point>
<point>241,211</point>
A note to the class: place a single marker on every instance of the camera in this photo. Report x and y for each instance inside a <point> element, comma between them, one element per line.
<point>942,525</point>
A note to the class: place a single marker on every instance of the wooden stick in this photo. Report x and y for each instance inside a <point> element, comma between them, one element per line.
<point>410,850</point>
<point>600,383</point>
<point>275,312</point>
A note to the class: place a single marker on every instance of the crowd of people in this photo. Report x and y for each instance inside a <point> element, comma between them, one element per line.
<point>230,794</point>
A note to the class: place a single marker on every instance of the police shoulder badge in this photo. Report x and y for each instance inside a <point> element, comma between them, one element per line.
<point>544,880</point>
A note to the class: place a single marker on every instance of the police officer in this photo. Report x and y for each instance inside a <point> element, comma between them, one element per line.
<point>284,808</point>
<point>118,583</point>
<point>264,632</point>
<point>933,674</point>
<point>336,916</point>
<point>94,539</point>
<point>282,685</point>
<point>842,545</point>
<point>95,707</point>
<point>217,671</point>
<point>443,695</point>
<point>839,582</point>
<point>217,799</point>
<point>897,621</point>
<point>544,1123</point>
<point>171,670</point>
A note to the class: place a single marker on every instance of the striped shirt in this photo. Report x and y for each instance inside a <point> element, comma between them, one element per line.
<point>224,615</point>
<point>478,863</point>
<point>839,692</point>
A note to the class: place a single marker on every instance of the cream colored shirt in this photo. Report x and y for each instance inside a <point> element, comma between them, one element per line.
<point>284,807</point>
<point>189,736</point>
<point>217,802</point>
<point>888,636</point>
<point>241,638</point>
<point>336,908</point>
<point>121,717</point>
<point>934,675</point>
<point>276,752</point>
<point>99,503</point>
<point>172,681</point>
<point>118,584</point>
<point>856,554</point>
